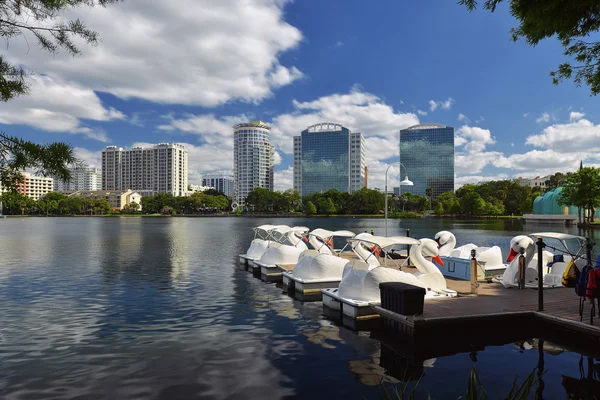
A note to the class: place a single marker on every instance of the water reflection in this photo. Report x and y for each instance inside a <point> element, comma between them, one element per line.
<point>158,308</point>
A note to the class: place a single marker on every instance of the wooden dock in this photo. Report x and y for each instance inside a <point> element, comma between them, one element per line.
<point>498,313</point>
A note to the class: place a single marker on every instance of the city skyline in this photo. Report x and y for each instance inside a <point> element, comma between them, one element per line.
<point>508,124</point>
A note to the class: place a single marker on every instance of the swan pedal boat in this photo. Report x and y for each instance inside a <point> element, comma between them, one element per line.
<point>359,289</point>
<point>286,246</point>
<point>552,276</point>
<point>457,260</point>
<point>321,240</point>
<point>262,238</point>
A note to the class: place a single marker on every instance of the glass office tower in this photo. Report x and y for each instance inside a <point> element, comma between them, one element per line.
<point>427,152</point>
<point>328,156</point>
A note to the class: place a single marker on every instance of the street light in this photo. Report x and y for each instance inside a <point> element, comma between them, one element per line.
<point>405,182</point>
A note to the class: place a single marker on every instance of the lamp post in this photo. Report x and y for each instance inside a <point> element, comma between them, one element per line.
<point>405,182</point>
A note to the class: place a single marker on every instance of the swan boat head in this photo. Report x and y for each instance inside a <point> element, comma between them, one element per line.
<point>446,242</point>
<point>518,244</point>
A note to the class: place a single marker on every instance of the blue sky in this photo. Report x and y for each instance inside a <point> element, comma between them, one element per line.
<point>187,74</point>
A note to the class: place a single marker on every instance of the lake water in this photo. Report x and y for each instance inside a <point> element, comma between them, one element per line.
<point>158,308</point>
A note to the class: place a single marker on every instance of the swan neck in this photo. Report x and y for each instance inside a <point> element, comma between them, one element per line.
<point>424,266</point>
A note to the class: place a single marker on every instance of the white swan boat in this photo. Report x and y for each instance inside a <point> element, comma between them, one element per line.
<point>457,260</point>
<point>359,288</point>
<point>285,248</point>
<point>320,267</point>
<point>262,237</point>
<point>552,275</point>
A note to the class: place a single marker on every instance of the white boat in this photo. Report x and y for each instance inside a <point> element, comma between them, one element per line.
<point>318,268</point>
<point>286,249</point>
<point>457,260</point>
<point>359,288</point>
<point>262,236</point>
<point>571,247</point>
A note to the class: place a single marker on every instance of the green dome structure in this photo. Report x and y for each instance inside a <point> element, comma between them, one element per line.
<point>547,204</point>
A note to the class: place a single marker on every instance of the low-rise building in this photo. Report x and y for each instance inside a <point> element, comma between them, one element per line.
<point>538,181</point>
<point>35,187</point>
<point>118,199</point>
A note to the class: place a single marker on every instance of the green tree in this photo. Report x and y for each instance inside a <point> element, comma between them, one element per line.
<point>472,203</point>
<point>310,208</point>
<point>429,193</point>
<point>18,17</point>
<point>556,180</point>
<point>101,206</point>
<point>583,190</point>
<point>439,209</point>
<point>572,22</point>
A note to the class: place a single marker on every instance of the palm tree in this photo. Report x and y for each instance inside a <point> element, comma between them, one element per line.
<point>429,193</point>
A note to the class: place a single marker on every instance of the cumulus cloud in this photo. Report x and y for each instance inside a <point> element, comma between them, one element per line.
<point>421,112</point>
<point>284,179</point>
<point>201,52</point>
<point>58,106</point>
<point>575,116</point>
<point>580,135</point>
<point>545,117</point>
<point>463,118</point>
<point>465,179</point>
<point>433,105</point>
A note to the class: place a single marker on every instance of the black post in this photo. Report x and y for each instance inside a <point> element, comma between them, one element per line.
<point>540,248</point>
<point>522,269</point>
<point>407,249</point>
<point>589,245</point>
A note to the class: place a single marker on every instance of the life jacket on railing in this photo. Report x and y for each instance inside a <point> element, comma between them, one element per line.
<point>329,243</point>
<point>375,250</point>
<point>592,290</point>
<point>571,275</point>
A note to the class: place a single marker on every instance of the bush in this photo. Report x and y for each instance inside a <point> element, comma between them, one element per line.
<point>403,215</point>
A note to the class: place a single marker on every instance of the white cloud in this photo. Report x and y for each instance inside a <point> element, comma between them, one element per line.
<point>93,158</point>
<point>421,112</point>
<point>432,105</point>
<point>540,161</point>
<point>284,179</point>
<point>545,117</point>
<point>339,43</point>
<point>58,106</point>
<point>276,158</point>
<point>526,115</point>
<point>476,138</point>
<point>575,116</point>
<point>576,136</point>
<point>201,52</point>
<point>444,104</point>
<point>463,118</point>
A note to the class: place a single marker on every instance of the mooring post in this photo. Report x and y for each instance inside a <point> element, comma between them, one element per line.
<point>408,248</point>
<point>589,245</point>
<point>522,269</point>
<point>474,284</point>
<point>540,248</point>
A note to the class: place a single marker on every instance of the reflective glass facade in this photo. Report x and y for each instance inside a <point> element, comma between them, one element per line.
<point>427,152</point>
<point>325,161</point>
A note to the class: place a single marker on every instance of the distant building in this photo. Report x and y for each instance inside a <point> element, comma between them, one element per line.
<point>253,159</point>
<point>82,178</point>
<point>535,182</point>
<point>221,182</point>
<point>329,156</point>
<point>117,199</point>
<point>427,152</point>
<point>162,168</point>
<point>34,187</point>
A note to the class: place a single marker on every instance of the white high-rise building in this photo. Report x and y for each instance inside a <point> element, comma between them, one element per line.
<point>82,178</point>
<point>253,159</point>
<point>221,182</point>
<point>162,168</point>
<point>329,156</point>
